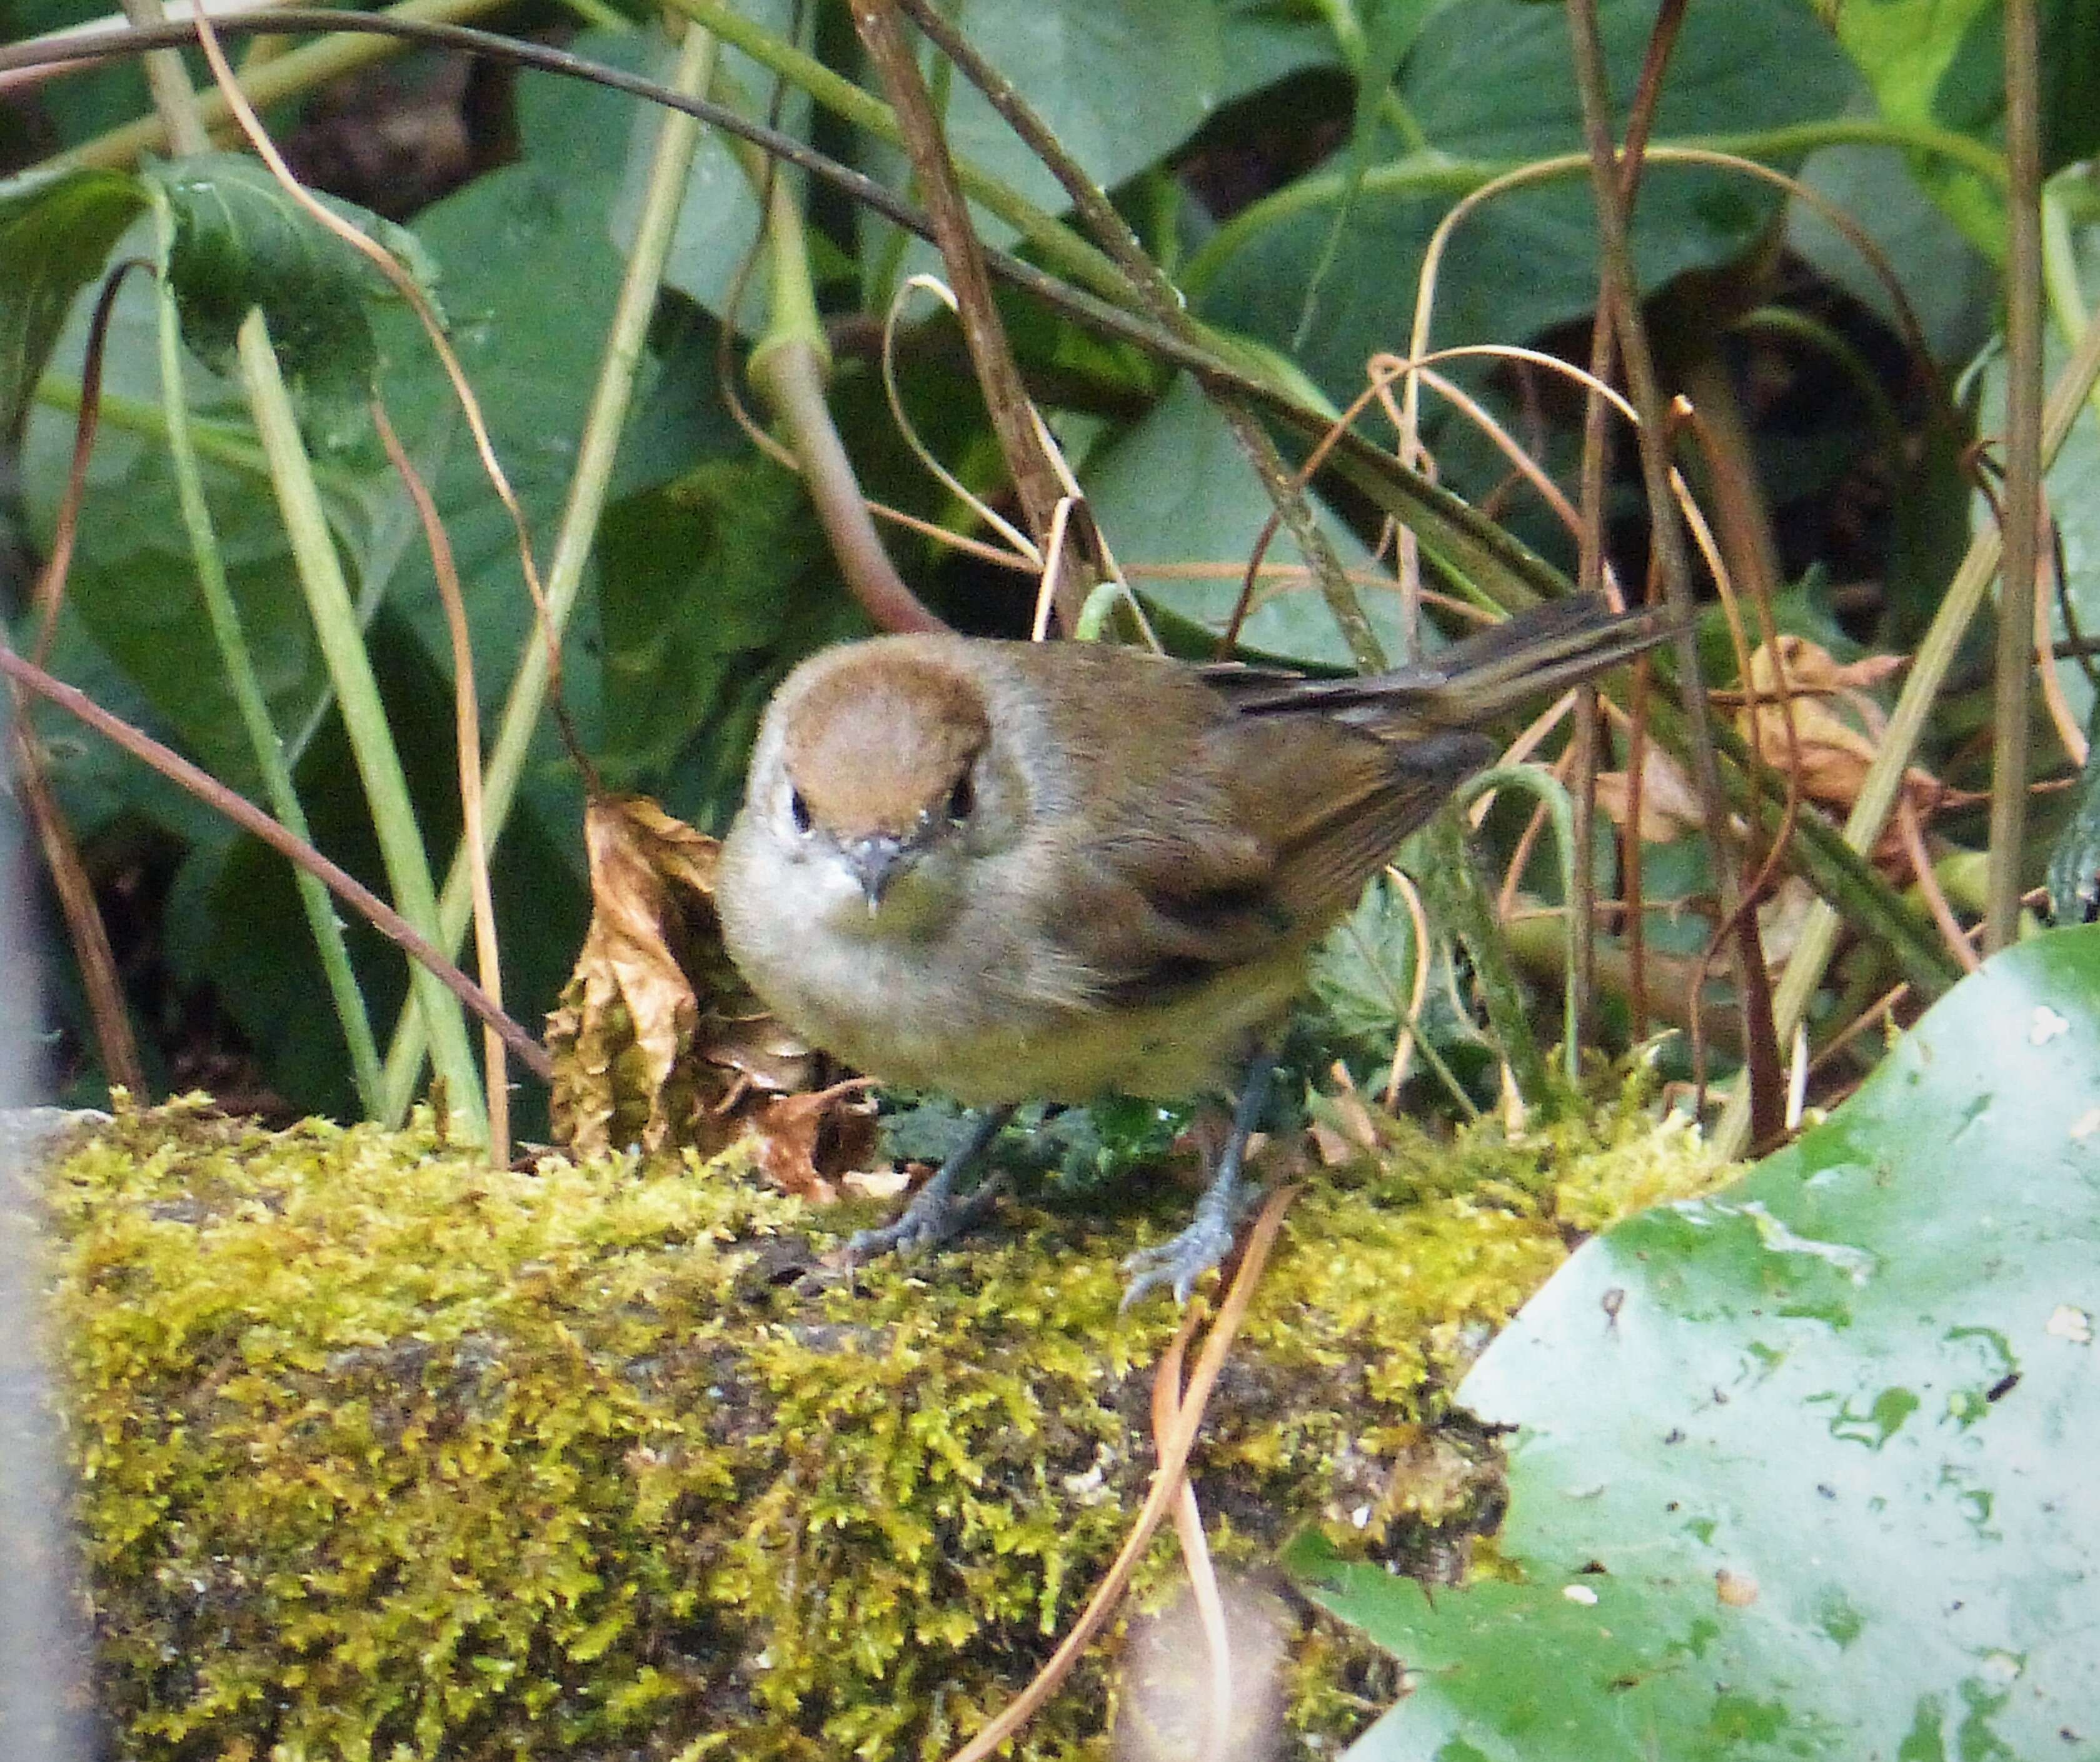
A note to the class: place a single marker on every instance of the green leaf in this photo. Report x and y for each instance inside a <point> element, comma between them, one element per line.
<point>1950,285</point>
<point>1394,25</point>
<point>56,234</point>
<point>132,584</point>
<point>242,242</point>
<point>1802,1469</point>
<point>718,216</point>
<point>1490,81</point>
<point>1941,63</point>
<point>1176,490</point>
<point>1262,42</point>
<point>1363,973</point>
<point>1120,82</point>
<point>700,578</point>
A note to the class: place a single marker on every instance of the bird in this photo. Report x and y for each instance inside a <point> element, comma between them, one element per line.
<point>1010,871</point>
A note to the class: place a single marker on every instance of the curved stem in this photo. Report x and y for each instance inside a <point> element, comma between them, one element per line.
<point>1431,173</point>
<point>1535,780</point>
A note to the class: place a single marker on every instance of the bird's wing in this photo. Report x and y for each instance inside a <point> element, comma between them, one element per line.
<point>1338,802</point>
<point>1265,847</point>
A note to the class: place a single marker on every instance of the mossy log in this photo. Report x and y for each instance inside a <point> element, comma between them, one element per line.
<point>386,1453</point>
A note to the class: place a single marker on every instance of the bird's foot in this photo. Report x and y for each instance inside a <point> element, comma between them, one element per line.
<point>936,1214</point>
<point>1180,1262</point>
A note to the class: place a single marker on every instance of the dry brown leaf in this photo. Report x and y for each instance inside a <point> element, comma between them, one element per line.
<point>797,1136</point>
<point>1837,731</point>
<point>656,1040</point>
<point>1668,805</point>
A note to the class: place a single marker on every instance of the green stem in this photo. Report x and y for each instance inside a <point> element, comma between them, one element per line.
<point>219,443</point>
<point>364,717</point>
<point>1460,901</point>
<point>1431,173</point>
<point>1536,781</point>
<point>247,690</point>
<point>1349,31</point>
<point>625,340</point>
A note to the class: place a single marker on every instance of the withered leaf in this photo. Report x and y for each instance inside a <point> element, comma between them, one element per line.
<point>657,1042</point>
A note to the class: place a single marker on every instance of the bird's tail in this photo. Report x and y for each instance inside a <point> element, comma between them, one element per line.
<point>1533,654</point>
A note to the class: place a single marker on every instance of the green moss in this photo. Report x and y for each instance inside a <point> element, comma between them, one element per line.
<point>384,1453</point>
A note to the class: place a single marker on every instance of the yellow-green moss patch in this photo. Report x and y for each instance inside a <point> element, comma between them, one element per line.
<point>386,1453</point>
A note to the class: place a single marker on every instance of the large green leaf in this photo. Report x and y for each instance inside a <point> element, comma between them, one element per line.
<point>1941,63</point>
<point>56,234</point>
<point>1491,80</point>
<point>1803,1469</point>
<point>1261,42</point>
<point>1176,491</point>
<point>1119,82</point>
<point>132,584</point>
<point>703,578</point>
<point>718,217</point>
<point>1951,287</point>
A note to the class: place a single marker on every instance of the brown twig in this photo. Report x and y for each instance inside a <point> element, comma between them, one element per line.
<point>1620,296</point>
<point>86,929</point>
<point>1166,1398</point>
<point>2023,466</point>
<point>49,593</point>
<point>1912,831</point>
<point>1589,572</point>
<point>250,818</point>
<point>1166,1480</point>
<point>1633,883</point>
<point>1754,892</point>
<point>1163,301</point>
<point>1035,479</point>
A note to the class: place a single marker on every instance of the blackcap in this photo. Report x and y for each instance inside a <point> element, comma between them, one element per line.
<point>1012,871</point>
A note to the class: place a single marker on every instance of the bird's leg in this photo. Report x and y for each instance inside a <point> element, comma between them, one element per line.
<point>1208,1238</point>
<point>936,1214</point>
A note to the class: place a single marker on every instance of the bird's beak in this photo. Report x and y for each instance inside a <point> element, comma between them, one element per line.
<point>874,862</point>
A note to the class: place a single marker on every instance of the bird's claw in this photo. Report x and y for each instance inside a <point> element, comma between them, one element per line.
<point>1180,1262</point>
<point>932,1216</point>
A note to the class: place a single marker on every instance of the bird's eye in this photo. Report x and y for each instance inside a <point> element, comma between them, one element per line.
<point>962,798</point>
<point>798,810</point>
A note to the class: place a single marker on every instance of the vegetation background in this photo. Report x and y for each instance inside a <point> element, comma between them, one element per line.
<point>1862,252</point>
